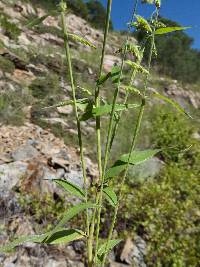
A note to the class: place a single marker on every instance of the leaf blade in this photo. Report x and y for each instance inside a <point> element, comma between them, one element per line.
<point>172,102</point>
<point>115,170</point>
<point>71,188</point>
<point>22,240</point>
<point>107,108</point>
<point>138,157</point>
<point>73,211</point>
<point>36,21</point>
<point>166,30</point>
<point>102,250</point>
<point>65,236</point>
<point>110,196</point>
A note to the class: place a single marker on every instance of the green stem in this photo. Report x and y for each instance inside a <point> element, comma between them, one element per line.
<point>134,140</point>
<point>98,130</point>
<point>115,128</point>
<point>68,57</point>
<point>109,137</point>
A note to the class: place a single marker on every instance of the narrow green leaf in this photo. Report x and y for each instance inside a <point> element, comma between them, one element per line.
<point>81,40</point>
<point>65,236</point>
<point>71,188</point>
<point>115,170</point>
<point>73,211</point>
<point>110,196</point>
<point>36,21</point>
<point>81,104</point>
<point>105,109</point>
<point>138,157</point>
<point>172,102</point>
<point>22,240</point>
<point>170,29</point>
<point>102,250</point>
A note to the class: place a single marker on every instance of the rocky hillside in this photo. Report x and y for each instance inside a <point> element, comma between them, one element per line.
<point>38,143</point>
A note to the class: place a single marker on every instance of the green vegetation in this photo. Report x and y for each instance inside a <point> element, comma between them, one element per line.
<point>46,87</point>
<point>11,29</point>
<point>44,209</point>
<point>6,65</point>
<point>11,107</point>
<point>163,210</point>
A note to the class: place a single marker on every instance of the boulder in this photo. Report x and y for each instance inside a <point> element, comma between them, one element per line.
<point>132,252</point>
<point>10,175</point>
<point>148,169</point>
<point>25,152</point>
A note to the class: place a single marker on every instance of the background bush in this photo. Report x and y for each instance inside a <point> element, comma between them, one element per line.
<point>165,210</point>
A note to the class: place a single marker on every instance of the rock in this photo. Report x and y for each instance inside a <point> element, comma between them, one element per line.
<point>36,179</point>
<point>126,255</point>
<point>109,61</point>
<point>9,206</point>
<point>75,264</point>
<point>196,136</point>
<point>60,173</point>
<point>57,162</point>
<point>56,120</point>
<point>20,76</point>
<point>55,263</point>
<point>25,152</point>
<point>75,176</point>
<point>10,175</point>
<point>18,62</point>
<point>132,253</point>
<point>21,226</point>
<point>90,71</point>
<point>148,169</point>
<point>117,264</point>
<point>23,40</point>
<point>139,252</point>
<point>65,109</point>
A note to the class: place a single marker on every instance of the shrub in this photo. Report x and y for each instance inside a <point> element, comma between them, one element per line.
<point>165,210</point>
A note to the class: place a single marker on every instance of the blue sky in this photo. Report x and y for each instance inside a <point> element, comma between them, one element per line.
<point>185,12</point>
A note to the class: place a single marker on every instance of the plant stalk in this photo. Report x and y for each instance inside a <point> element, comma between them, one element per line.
<point>115,128</point>
<point>98,133</point>
<point>134,140</point>
<point>69,62</point>
<point>109,135</point>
